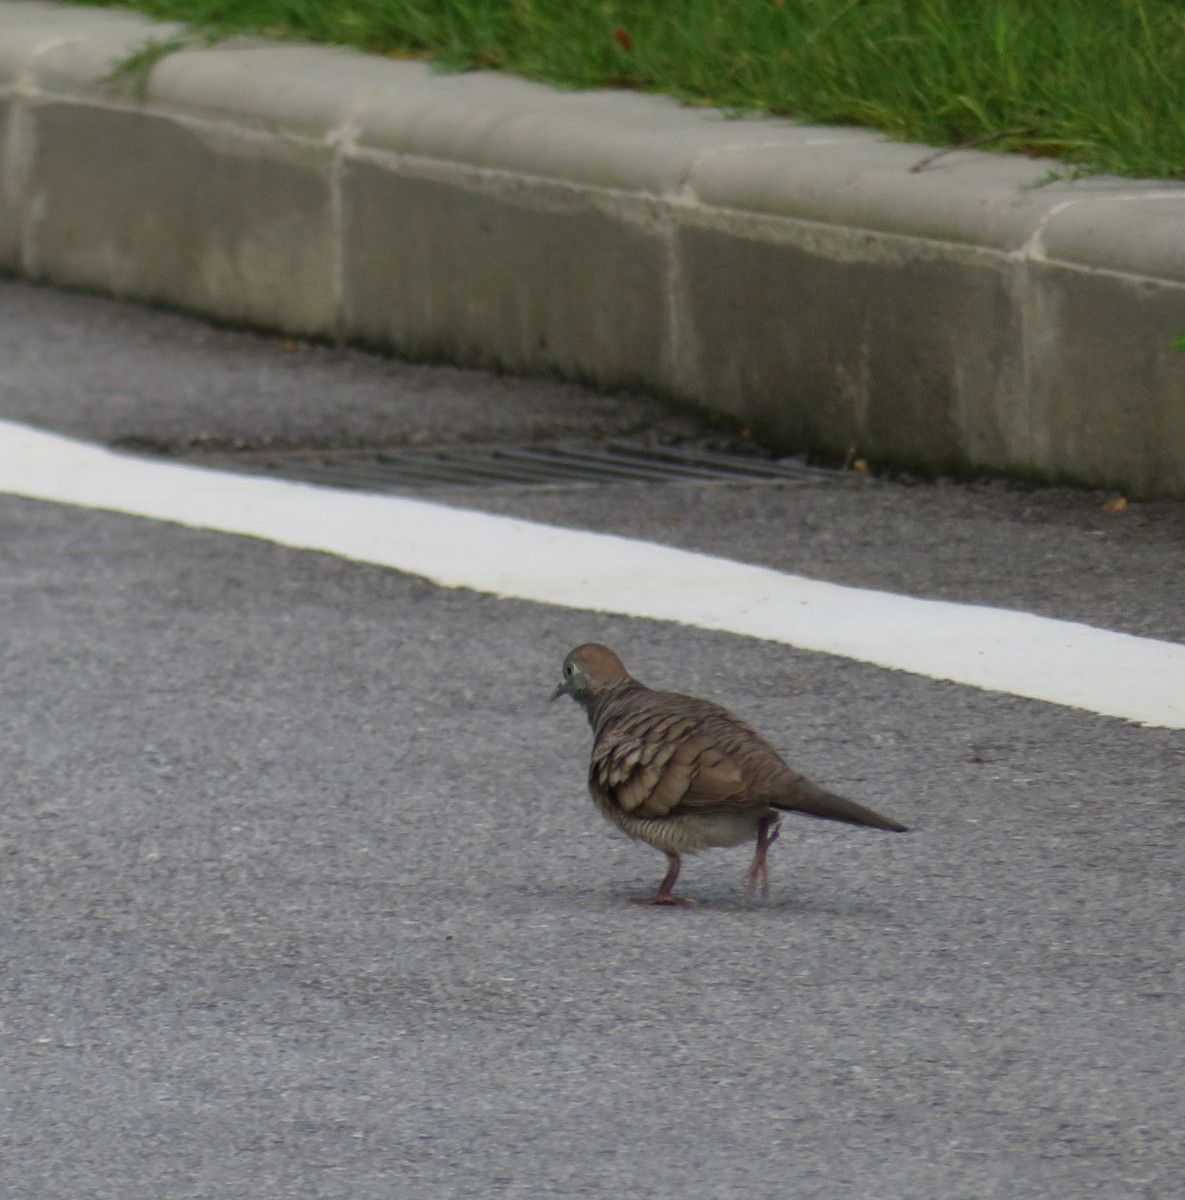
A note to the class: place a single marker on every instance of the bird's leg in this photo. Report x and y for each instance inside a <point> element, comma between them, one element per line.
<point>663,895</point>
<point>767,834</point>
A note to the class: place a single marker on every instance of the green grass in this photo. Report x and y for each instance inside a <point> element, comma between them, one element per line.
<point>1096,83</point>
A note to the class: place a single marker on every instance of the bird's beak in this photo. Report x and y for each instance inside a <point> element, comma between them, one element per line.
<point>561,689</point>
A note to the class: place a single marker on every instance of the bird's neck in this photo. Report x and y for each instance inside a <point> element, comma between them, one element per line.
<point>603,704</point>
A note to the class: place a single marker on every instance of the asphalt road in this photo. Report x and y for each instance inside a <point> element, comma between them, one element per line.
<point>304,895</point>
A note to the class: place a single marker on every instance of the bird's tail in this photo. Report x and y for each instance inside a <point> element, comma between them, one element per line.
<point>815,802</point>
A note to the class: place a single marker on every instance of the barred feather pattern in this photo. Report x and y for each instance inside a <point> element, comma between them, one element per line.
<point>683,774</point>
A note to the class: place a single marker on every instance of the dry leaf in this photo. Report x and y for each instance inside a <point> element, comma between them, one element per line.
<point>1115,504</point>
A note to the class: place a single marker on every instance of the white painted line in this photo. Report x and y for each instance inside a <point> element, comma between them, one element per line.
<point>1062,662</point>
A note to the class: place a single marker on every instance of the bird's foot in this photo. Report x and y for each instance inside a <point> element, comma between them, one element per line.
<point>663,895</point>
<point>752,881</point>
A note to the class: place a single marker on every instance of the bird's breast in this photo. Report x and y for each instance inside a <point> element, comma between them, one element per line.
<point>684,833</point>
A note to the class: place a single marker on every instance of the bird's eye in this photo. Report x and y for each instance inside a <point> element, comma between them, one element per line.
<point>569,670</point>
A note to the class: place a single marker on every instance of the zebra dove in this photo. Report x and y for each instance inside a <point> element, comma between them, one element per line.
<point>684,774</point>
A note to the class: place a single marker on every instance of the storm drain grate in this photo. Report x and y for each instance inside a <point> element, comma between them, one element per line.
<point>540,466</point>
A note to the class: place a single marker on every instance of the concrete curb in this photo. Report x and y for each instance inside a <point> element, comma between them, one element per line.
<point>798,277</point>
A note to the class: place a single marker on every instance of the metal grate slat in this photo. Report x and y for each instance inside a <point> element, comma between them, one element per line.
<point>605,467</point>
<point>732,465</point>
<point>570,464</point>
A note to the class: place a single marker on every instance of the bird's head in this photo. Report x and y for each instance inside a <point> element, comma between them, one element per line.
<point>587,670</point>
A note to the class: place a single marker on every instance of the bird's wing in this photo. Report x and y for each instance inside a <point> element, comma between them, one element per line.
<point>656,765</point>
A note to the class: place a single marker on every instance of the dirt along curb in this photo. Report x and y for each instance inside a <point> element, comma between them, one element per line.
<point>804,279</point>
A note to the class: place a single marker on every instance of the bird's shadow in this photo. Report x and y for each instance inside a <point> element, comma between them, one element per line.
<point>576,899</point>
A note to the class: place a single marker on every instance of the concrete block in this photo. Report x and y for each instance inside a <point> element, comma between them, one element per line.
<point>308,90</point>
<point>216,220</point>
<point>1106,386</point>
<point>865,182</point>
<point>489,270</point>
<point>1140,231</point>
<point>88,67</point>
<point>32,29</point>
<point>9,191</point>
<point>842,340</point>
<point>607,140</point>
